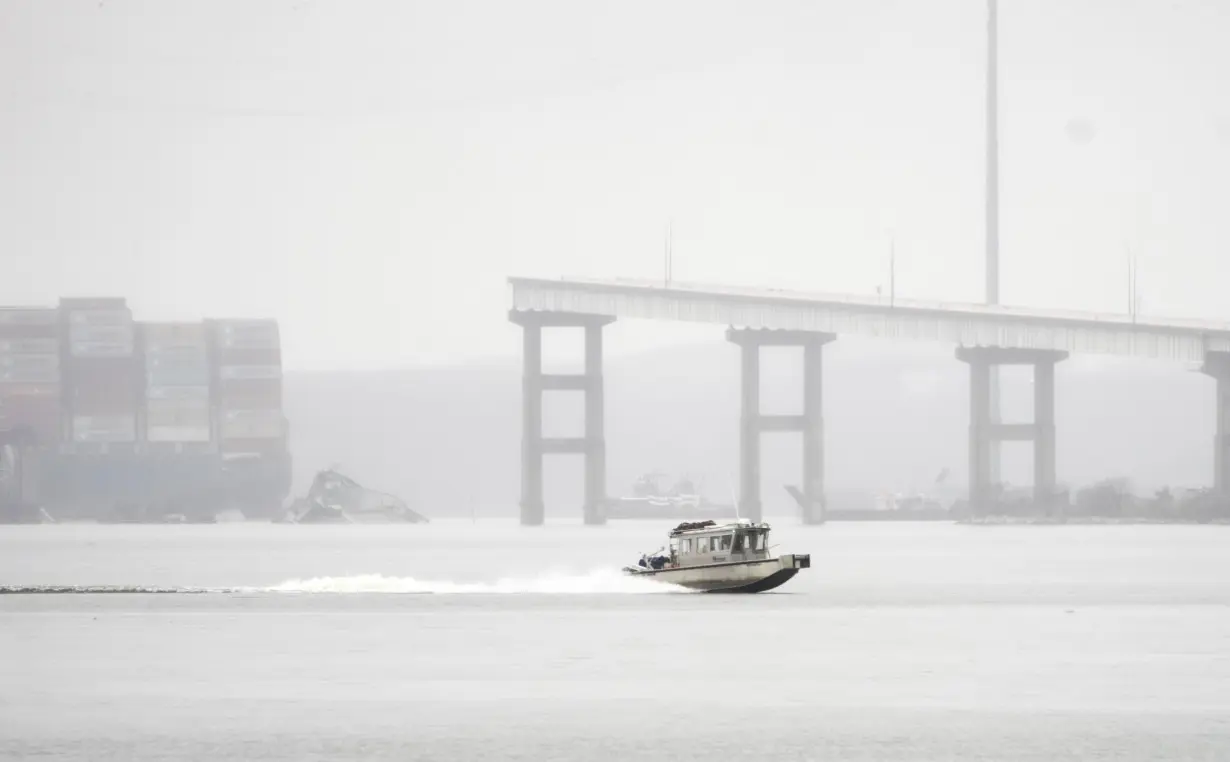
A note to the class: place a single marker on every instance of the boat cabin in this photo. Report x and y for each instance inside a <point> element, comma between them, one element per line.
<point>706,542</point>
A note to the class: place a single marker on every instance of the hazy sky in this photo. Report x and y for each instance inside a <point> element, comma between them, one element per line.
<point>370,172</point>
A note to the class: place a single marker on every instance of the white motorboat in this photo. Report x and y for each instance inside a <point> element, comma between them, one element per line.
<point>733,557</point>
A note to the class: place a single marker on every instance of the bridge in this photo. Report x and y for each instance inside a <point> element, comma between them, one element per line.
<point>985,336</point>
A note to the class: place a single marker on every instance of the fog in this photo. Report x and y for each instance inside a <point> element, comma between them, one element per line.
<point>369,172</point>
<point>895,417</point>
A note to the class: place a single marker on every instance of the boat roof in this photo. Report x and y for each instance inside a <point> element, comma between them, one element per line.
<point>704,527</point>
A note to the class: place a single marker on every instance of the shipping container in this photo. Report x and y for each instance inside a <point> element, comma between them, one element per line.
<point>29,346</point>
<point>71,303</point>
<point>250,372</point>
<point>106,334</point>
<point>29,362</point>
<point>29,331</point>
<point>177,393</point>
<point>36,409</point>
<point>135,412</point>
<point>270,448</point>
<point>167,336</point>
<point>22,411</point>
<point>252,424</point>
<point>100,319</point>
<point>100,349</point>
<point>172,376</point>
<point>22,323</point>
<point>249,356</point>
<point>101,341</point>
<point>29,369</point>
<point>179,420</point>
<point>89,370</point>
<point>102,385</point>
<point>181,367</point>
<point>168,412</point>
<point>104,428</point>
<point>29,375</point>
<point>246,334</point>
<point>179,356</point>
<point>54,391</point>
<point>256,395</point>
<point>178,434</point>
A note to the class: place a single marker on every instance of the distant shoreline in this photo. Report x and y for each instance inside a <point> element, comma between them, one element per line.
<point>1084,521</point>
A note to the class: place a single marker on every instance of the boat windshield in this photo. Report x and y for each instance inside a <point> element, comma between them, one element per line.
<point>752,541</point>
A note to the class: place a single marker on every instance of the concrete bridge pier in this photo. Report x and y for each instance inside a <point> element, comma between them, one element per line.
<point>753,423</point>
<point>1217,366</point>
<point>984,430</point>
<point>533,384</point>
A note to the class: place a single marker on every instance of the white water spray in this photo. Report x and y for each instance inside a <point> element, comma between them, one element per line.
<point>604,582</point>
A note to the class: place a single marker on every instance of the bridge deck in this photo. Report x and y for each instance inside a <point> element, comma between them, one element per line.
<point>904,319</point>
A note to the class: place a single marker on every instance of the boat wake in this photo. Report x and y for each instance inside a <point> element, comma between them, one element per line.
<point>106,589</point>
<point>603,582</point>
<point>559,583</point>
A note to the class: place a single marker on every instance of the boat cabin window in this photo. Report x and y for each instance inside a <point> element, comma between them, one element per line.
<point>711,544</point>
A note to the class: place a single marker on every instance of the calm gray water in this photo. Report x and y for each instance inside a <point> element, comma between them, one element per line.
<point>491,641</point>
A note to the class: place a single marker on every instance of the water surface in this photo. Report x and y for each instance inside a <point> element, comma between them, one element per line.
<point>494,641</point>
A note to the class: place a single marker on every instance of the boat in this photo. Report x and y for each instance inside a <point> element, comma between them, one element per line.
<point>879,507</point>
<point>649,500</point>
<point>732,557</point>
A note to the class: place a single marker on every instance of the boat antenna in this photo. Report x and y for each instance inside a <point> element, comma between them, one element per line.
<point>669,254</point>
<point>735,499</point>
<point>892,271</point>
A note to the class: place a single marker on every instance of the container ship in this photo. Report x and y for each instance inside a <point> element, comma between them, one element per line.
<point>108,419</point>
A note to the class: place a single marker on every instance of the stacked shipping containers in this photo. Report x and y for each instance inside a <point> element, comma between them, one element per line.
<point>102,372</point>
<point>177,385</point>
<point>248,389</point>
<point>30,391</point>
<point>112,413</point>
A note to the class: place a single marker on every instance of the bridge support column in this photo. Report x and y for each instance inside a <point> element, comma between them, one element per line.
<point>534,446</point>
<point>1217,366</point>
<point>985,430</point>
<point>752,424</point>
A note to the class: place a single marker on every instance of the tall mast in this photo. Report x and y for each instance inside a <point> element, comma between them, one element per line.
<point>992,211</point>
<point>992,191</point>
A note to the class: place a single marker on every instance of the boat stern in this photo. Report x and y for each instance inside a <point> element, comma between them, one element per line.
<point>796,561</point>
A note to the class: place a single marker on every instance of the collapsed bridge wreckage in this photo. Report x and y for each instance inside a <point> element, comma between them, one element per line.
<point>335,498</point>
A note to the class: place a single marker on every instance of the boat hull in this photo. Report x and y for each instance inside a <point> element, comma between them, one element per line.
<point>734,577</point>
